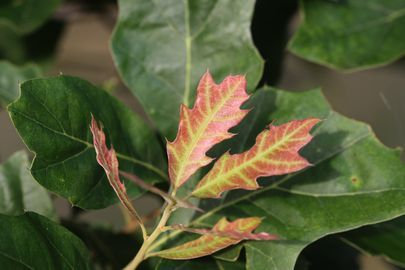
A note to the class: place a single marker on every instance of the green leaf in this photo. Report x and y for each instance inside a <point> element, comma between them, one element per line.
<point>349,185</point>
<point>161,48</point>
<point>352,34</point>
<point>19,192</point>
<point>53,117</point>
<point>230,254</point>
<point>10,78</point>
<point>38,46</point>
<point>31,241</point>
<point>26,16</point>
<point>109,249</point>
<point>385,239</point>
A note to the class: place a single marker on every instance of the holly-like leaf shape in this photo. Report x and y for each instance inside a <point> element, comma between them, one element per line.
<point>19,192</point>
<point>53,117</point>
<point>274,153</point>
<point>216,110</point>
<point>32,241</point>
<point>25,16</point>
<point>222,235</point>
<point>352,34</point>
<point>354,181</point>
<point>10,78</point>
<point>196,35</point>
<point>385,239</point>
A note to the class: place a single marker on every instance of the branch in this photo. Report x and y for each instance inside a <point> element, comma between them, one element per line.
<point>167,197</point>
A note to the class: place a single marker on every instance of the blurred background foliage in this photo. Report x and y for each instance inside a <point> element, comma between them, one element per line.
<point>351,48</point>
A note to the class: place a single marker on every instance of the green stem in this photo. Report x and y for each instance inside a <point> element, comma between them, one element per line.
<point>143,251</point>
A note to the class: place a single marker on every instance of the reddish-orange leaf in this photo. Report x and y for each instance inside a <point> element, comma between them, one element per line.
<point>274,153</point>
<point>216,110</point>
<point>231,233</point>
<point>222,235</point>
<point>108,160</point>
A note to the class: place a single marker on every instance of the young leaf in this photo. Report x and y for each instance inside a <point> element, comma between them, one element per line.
<point>108,160</point>
<point>222,235</point>
<point>58,133</point>
<point>235,234</point>
<point>352,176</point>
<point>216,110</point>
<point>275,153</point>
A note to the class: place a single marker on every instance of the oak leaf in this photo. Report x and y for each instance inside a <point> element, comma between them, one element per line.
<point>222,235</point>
<point>274,153</point>
<point>216,110</point>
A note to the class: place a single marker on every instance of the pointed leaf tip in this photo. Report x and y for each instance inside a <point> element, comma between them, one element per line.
<point>216,110</point>
<point>107,158</point>
<point>274,153</point>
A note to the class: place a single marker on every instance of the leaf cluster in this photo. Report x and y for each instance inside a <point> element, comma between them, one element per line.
<point>247,177</point>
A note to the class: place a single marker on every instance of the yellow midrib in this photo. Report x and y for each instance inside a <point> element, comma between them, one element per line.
<point>225,176</point>
<point>200,131</point>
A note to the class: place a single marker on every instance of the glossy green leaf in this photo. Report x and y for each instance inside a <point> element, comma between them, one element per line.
<point>53,117</point>
<point>355,181</point>
<point>31,241</point>
<point>161,48</point>
<point>352,34</point>
<point>385,239</point>
<point>19,192</point>
<point>25,16</point>
<point>10,78</point>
